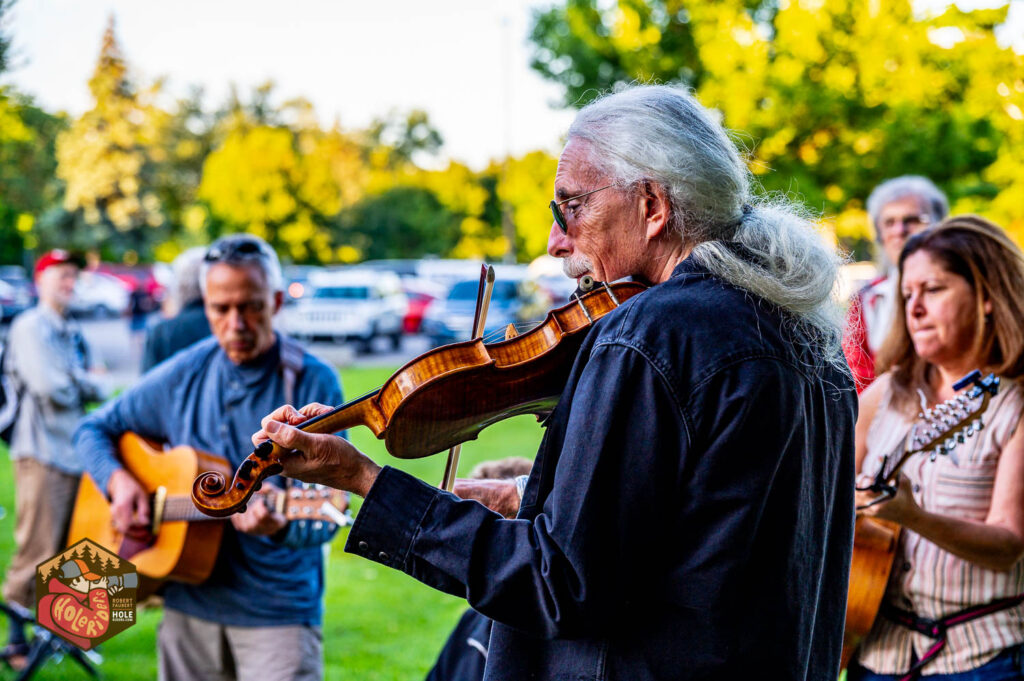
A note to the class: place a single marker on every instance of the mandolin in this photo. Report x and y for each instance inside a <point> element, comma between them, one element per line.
<point>182,542</point>
<point>938,430</point>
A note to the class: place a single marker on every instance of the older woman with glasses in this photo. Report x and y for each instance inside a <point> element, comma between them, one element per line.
<point>899,208</point>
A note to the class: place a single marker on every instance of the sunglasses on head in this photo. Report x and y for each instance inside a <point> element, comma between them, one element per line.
<point>233,248</point>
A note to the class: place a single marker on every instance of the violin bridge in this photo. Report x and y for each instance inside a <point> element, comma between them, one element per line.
<point>510,332</point>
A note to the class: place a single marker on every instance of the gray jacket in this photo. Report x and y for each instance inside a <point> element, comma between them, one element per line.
<point>47,358</point>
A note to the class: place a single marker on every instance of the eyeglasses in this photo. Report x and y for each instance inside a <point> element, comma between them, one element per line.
<point>910,222</point>
<point>228,249</point>
<point>556,210</point>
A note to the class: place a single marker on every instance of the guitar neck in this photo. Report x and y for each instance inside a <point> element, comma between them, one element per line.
<point>181,508</point>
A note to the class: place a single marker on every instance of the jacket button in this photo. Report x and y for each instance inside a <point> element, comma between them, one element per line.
<point>917,488</point>
<point>906,567</point>
<point>363,546</point>
<point>383,557</point>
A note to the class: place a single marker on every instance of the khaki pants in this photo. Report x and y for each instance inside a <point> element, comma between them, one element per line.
<point>44,498</point>
<point>193,649</point>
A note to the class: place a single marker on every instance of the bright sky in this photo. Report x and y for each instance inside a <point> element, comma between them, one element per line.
<point>466,62</point>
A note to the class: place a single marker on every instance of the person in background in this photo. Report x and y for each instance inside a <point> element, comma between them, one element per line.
<point>899,208</point>
<point>257,617</point>
<point>48,361</point>
<point>953,606</point>
<point>189,323</point>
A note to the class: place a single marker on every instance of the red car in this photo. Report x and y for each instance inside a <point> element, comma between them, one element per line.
<point>420,294</point>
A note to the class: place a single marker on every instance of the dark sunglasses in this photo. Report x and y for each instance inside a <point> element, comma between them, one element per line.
<point>233,248</point>
<point>556,207</point>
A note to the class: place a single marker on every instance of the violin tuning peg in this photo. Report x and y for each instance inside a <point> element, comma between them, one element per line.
<point>245,470</point>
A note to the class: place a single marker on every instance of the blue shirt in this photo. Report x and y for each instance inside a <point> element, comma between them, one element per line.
<point>201,399</point>
<point>689,515</point>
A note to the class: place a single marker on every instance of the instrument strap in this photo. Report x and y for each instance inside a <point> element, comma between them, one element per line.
<point>936,629</point>
<point>291,367</point>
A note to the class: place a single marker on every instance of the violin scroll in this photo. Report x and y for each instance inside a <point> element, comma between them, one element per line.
<point>212,496</point>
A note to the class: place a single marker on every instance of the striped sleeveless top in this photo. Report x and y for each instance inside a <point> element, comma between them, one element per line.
<point>932,582</point>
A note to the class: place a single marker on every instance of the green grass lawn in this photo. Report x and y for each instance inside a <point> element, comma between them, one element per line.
<point>378,625</point>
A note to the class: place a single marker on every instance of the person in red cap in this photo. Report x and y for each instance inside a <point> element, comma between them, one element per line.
<point>47,360</point>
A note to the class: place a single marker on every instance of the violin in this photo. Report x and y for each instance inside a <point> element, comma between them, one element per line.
<point>445,396</point>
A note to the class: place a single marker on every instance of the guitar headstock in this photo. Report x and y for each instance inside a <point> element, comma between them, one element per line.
<point>941,428</point>
<point>306,502</point>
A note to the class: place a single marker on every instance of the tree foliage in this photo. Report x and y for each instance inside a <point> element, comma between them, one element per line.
<point>5,39</point>
<point>829,96</point>
<point>108,161</point>
<point>27,166</point>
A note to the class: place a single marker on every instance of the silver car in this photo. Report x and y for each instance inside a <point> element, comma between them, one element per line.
<point>351,305</point>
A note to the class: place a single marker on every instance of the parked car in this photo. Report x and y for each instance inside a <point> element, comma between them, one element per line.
<point>296,282</point>
<point>513,301</point>
<point>149,292</point>
<point>98,294</point>
<point>13,300</point>
<point>350,305</point>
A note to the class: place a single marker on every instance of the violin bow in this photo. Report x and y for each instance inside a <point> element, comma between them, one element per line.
<point>483,304</point>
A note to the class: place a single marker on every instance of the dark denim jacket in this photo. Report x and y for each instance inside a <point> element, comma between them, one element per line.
<point>689,515</point>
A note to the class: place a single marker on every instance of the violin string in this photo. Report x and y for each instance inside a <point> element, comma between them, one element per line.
<point>499,334</point>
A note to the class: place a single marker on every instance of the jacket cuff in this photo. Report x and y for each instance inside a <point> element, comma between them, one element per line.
<point>390,517</point>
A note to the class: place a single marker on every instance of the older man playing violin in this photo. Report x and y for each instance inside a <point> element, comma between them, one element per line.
<point>690,511</point>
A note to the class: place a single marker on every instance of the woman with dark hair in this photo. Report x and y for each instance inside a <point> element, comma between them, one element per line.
<point>961,285</point>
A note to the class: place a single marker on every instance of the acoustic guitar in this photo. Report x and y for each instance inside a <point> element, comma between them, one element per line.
<point>183,542</point>
<point>938,430</point>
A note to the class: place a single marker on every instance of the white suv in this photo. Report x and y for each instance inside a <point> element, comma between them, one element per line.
<point>349,305</point>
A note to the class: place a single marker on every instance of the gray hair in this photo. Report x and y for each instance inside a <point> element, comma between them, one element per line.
<point>185,269</point>
<point>906,186</point>
<point>243,249</point>
<point>663,135</point>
